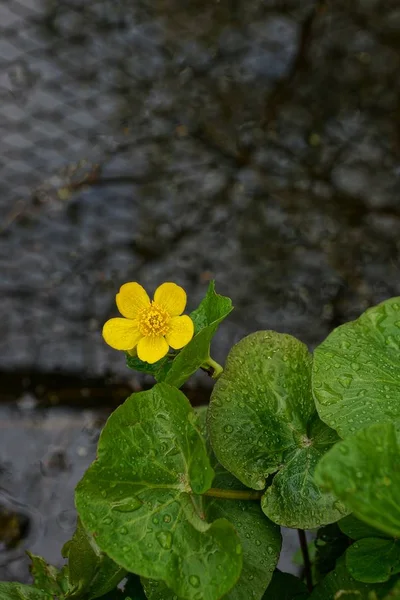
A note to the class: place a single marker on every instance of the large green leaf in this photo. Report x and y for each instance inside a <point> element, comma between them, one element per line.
<point>18,591</point>
<point>364,471</point>
<point>285,586</point>
<point>206,318</point>
<point>340,584</point>
<point>260,538</point>
<point>139,497</point>
<point>356,372</point>
<point>263,420</point>
<point>90,571</point>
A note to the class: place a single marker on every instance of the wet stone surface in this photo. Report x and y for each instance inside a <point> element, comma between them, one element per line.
<point>254,142</point>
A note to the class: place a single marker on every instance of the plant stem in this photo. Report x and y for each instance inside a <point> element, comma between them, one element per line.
<point>306,558</point>
<point>213,368</point>
<point>233,494</point>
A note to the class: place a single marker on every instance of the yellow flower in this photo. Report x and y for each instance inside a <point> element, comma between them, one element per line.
<point>150,327</point>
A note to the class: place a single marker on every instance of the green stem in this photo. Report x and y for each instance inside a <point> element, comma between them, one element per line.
<point>212,367</point>
<point>233,494</point>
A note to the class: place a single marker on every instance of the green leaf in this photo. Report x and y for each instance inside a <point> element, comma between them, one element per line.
<point>285,586</point>
<point>18,591</point>
<point>260,538</point>
<point>356,529</point>
<point>46,577</point>
<point>139,497</point>
<point>340,584</point>
<point>373,559</point>
<point>212,310</point>
<point>90,571</point>
<point>262,420</point>
<point>356,372</point>
<point>364,471</point>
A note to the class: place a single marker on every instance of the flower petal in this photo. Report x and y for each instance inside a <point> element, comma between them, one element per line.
<point>132,298</point>
<point>121,334</point>
<point>152,348</point>
<point>181,332</point>
<point>171,297</point>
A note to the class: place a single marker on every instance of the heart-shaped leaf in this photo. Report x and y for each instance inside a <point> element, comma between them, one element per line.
<point>139,498</point>
<point>356,372</point>
<point>263,420</point>
<point>364,472</point>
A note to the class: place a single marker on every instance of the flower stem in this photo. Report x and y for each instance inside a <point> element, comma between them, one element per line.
<point>306,559</point>
<point>213,368</point>
<point>233,494</point>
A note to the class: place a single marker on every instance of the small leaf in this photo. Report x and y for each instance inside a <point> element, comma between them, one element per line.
<point>46,577</point>
<point>140,498</point>
<point>340,584</point>
<point>262,420</point>
<point>212,310</point>
<point>18,591</point>
<point>373,559</point>
<point>356,372</point>
<point>90,571</point>
<point>364,472</point>
<point>285,586</point>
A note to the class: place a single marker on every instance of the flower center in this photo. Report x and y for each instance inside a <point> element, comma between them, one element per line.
<point>154,320</point>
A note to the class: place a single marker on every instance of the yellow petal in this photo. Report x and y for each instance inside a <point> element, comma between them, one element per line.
<point>152,348</point>
<point>171,297</point>
<point>181,332</point>
<point>121,334</point>
<point>132,298</point>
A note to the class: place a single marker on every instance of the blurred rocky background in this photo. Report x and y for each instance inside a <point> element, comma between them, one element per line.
<point>256,142</point>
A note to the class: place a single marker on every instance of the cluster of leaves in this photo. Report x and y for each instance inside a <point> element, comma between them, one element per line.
<point>192,501</point>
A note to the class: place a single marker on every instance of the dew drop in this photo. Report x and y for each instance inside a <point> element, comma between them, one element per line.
<point>167,519</point>
<point>258,543</point>
<point>123,530</point>
<point>127,504</point>
<point>228,428</point>
<point>155,520</point>
<point>270,549</point>
<point>164,538</point>
<point>194,581</point>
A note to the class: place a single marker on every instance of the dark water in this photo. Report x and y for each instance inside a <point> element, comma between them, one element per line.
<point>255,142</point>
